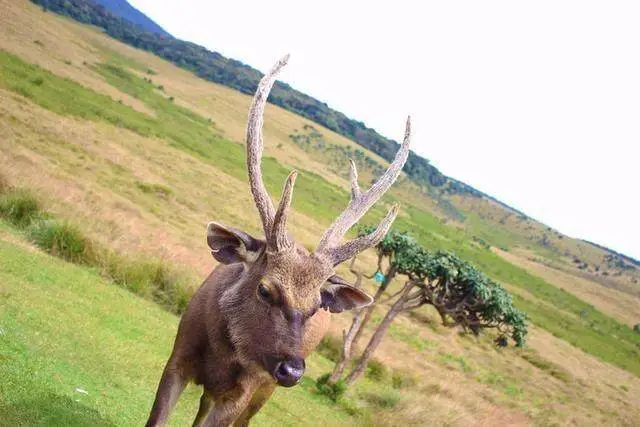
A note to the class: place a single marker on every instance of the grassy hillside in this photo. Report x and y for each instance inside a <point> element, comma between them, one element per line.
<point>140,155</point>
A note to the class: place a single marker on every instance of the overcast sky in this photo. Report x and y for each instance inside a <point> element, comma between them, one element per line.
<point>536,103</point>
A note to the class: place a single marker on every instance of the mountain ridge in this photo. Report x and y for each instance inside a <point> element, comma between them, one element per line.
<point>125,10</point>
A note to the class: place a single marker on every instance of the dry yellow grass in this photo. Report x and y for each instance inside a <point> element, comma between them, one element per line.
<point>80,169</point>
<point>620,305</point>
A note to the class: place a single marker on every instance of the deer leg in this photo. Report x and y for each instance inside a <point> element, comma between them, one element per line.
<point>171,386</point>
<point>259,398</point>
<point>206,403</point>
<point>231,406</point>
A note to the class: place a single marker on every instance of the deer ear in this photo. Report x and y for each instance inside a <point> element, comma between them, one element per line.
<point>230,246</point>
<point>337,296</point>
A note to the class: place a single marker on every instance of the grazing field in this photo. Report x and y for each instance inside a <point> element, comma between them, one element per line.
<point>138,155</point>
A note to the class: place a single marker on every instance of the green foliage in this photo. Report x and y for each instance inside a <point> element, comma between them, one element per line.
<point>636,328</point>
<point>18,207</point>
<point>332,391</point>
<point>454,286</point>
<point>155,279</point>
<point>63,240</point>
<point>377,371</point>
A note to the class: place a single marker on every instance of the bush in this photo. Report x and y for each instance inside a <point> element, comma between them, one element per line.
<point>330,347</point>
<point>636,328</point>
<point>63,240</point>
<point>149,277</point>
<point>332,391</point>
<point>19,207</point>
<point>376,371</point>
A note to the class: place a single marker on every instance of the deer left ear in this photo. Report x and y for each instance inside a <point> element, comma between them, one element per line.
<point>230,246</point>
<point>337,296</point>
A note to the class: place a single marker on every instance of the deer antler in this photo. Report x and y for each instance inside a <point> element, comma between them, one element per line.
<point>359,204</point>
<point>273,223</point>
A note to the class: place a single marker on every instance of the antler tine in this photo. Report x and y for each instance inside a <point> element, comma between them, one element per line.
<point>354,247</point>
<point>353,176</point>
<point>279,239</point>
<point>361,202</point>
<point>255,146</point>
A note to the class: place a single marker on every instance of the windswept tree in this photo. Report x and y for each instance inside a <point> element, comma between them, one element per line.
<point>462,295</point>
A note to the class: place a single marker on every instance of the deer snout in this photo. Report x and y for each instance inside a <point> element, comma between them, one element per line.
<point>289,371</point>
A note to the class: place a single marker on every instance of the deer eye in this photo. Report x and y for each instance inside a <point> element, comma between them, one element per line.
<point>264,292</point>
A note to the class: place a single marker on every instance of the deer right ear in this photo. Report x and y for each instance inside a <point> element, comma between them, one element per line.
<point>230,246</point>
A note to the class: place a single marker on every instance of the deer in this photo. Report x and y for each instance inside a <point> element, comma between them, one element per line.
<point>266,306</point>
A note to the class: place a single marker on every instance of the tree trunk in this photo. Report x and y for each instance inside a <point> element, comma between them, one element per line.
<point>376,338</point>
<point>391,273</point>
<point>347,346</point>
<point>443,315</point>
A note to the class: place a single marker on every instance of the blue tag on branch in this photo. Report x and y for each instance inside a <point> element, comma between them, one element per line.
<point>378,277</point>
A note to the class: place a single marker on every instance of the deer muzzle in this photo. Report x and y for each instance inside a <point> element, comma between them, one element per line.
<point>289,371</point>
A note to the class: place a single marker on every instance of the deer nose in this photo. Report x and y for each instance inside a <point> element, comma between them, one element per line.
<point>289,371</point>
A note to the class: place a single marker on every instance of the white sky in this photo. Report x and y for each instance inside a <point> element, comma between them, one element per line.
<point>536,103</point>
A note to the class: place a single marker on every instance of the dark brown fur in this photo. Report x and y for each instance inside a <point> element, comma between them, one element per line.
<point>230,337</point>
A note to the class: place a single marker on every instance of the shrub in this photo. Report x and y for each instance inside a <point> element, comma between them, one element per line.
<point>376,371</point>
<point>63,240</point>
<point>330,347</point>
<point>153,278</point>
<point>332,391</point>
<point>18,207</point>
<point>636,328</point>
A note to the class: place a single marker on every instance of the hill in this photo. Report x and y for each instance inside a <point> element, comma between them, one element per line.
<point>455,200</point>
<point>124,10</point>
<point>139,154</point>
<point>232,73</point>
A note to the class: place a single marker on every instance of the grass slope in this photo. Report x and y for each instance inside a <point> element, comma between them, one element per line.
<point>64,329</point>
<point>183,129</point>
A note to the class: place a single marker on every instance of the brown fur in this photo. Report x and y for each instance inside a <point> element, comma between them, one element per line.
<point>229,337</point>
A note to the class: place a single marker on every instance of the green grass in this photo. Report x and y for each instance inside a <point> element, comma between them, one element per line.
<point>64,240</point>
<point>65,328</point>
<point>20,208</point>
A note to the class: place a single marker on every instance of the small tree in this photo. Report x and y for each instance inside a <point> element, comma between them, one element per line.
<point>462,295</point>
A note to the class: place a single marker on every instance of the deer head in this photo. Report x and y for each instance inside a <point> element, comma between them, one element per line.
<point>281,284</point>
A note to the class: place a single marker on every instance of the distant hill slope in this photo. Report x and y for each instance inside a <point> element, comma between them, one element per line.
<point>124,10</point>
<point>485,217</point>
<point>229,72</point>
